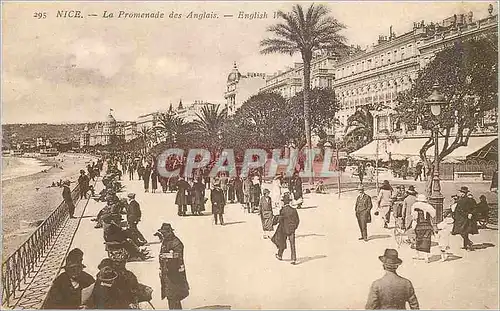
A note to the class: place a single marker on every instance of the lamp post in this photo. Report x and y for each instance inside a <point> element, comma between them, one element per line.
<point>435,101</point>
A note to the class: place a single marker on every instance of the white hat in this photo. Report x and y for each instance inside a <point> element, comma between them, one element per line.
<point>421,198</point>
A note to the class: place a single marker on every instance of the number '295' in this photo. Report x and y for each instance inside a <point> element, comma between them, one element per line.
<point>40,15</point>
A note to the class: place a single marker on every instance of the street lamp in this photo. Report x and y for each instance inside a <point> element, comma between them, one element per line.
<point>435,101</point>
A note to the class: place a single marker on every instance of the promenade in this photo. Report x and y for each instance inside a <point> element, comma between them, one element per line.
<point>233,265</point>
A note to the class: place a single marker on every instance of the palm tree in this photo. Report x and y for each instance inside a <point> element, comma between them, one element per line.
<point>305,33</point>
<point>210,122</point>
<point>359,128</point>
<point>170,126</point>
<point>145,135</point>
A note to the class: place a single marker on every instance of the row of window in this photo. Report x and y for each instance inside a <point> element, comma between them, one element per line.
<point>395,55</point>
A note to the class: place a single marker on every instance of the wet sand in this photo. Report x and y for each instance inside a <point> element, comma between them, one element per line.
<point>29,199</point>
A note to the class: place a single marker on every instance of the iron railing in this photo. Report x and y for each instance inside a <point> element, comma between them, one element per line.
<point>16,269</point>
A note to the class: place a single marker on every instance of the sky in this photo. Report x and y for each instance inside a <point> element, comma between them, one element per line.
<point>66,70</point>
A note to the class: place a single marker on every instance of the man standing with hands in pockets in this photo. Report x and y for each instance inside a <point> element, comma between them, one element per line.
<point>363,212</point>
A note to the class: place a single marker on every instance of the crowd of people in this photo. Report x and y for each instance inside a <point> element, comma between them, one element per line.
<point>412,213</point>
<point>115,287</point>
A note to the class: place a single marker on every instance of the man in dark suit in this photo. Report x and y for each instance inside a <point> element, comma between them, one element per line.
<point>363,212</point>
<point>83,181</point>
<point>288,223</point>
<point>133,218</point>
<point>66,290</point>
<point>218,200</point>
<point>68,199</point>
<point>391,292</point>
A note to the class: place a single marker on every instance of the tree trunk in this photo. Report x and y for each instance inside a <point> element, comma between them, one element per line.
<point>428,182</point>
<point>307,110</point>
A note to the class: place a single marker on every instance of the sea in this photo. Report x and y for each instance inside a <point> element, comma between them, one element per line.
<point>15,167</point>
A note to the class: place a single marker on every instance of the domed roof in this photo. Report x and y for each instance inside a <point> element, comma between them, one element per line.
<point>235,75</point>
<point>110,119</point>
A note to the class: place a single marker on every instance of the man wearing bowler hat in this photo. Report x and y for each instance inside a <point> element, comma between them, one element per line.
<point>288,223</point>
<point>391,292</point>
<point>363,212</point>
<point>174,285</point>
<point>68,199</point>
<point>465,221</point>
<point>133,218</point>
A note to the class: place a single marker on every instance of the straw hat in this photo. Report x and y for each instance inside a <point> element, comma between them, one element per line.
<point>421,198</point>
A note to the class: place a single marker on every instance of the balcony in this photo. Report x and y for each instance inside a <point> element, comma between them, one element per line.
<point>322,72</point>
<point>400,64</point>
<point>464,30</point>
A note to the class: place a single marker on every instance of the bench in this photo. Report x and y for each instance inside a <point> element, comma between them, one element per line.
<point>468,176</point>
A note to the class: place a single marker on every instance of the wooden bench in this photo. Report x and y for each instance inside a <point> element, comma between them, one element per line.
<point>468,176</point>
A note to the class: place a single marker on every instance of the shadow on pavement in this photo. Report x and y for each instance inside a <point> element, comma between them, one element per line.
<point>378,236</point>
<point>214,307</point>
<point>482,246</point>
<point>306,259</point>
<point>234,223</point>
<point>202,215</point>
<point>87,216</point>
<point>451,257</point>
<point>308,207</point>
<point>306,235</point>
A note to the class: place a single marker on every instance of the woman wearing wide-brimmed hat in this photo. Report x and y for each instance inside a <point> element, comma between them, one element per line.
<point>174,284</point>
<point>422,213</point>
<point>411,198</point>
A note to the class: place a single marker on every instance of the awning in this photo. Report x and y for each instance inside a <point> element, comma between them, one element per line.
<point>409,148</point>
<point>369,151</point>
<point>474,145</point>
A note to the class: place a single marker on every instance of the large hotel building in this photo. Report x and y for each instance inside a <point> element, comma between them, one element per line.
<point>375,76</point>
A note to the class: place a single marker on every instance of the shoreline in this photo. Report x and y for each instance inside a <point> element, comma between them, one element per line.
<point>30,198</point>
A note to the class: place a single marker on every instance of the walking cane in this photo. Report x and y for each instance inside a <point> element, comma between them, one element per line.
<point>151,305</point>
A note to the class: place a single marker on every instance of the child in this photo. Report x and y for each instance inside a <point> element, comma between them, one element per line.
<point>445,228</point>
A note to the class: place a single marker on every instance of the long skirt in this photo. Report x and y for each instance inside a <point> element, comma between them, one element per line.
<point>230,193</point>
<point>267,221</point>
<point>423,235</point>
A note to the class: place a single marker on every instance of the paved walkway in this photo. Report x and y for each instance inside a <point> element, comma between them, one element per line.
<point>33,293</point>
<point>232,265</point>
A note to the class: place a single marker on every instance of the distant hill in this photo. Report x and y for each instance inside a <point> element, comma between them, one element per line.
<point>17,133</point>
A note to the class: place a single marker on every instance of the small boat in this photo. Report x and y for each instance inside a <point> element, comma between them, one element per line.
<point>16,153</point>
<point>49,152</point>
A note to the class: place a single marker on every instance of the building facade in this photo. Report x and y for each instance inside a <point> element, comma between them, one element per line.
<point>289,82</point>
<point>103,133</point>
<point>240,87</point>
<point>375,77</point>
<point>189,113</point>
<point>130,131</point>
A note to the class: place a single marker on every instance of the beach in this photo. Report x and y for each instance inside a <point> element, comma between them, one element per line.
<point>26,195</point>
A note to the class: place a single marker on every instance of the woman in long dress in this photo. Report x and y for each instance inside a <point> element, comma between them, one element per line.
<point>422,213</point>
<point>154,180</point>
<point>276,192</point>
<point>255,193</point>
<point>266,213</point>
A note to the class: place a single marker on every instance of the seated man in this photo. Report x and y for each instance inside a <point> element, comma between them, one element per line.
<point>116,237</point>
<point>320,187</point>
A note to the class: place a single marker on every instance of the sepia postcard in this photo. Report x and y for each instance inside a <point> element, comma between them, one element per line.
<point>249,155</point>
